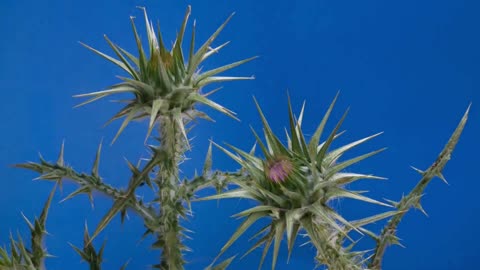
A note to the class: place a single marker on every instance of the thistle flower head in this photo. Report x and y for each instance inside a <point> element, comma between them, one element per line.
<point>293,185</point>
<point>162,83</point>
<point>278,169</point>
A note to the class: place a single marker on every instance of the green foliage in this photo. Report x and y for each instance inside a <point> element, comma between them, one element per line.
<point>301,201</point>
<point>165,89</point>
<point>313,178</point>
<point>162,83</point>
<point>89,254</point>
<point>22,258</point>
<point>293,184</point>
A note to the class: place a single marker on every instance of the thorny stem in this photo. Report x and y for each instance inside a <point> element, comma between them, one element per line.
<point>389,232</point>
<point>89,183</point>
<point>173,143</point>
<point>413,198</point>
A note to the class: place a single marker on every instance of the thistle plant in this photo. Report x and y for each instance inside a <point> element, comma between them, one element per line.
<point>20,256</point>
<point>166,90</point>
<point>293,182</point>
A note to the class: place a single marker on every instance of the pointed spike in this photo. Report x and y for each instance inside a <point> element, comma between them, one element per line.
<point>96,162</point>
<point>223,265</point>
<point>200,54</point>
<point>156,104</point>
<point>135,171</point>
<point>395,240</point>
<point>252,151</point>
<point>42,160</point>
<point>440,175</point>
<point>141,52</point>
<point>241,229</point>
<point>266,248</point>
<point>314,141</point>
<point>192,41</point>
<point>321,154</point>
<point>372,219</point>
<point>394,203</point>
<point>228,153</point>
<point>107,57</point>
<point>219,79</point>
<point>212,92</point>
<point>43,215</point>
<point>300,117</point>
<point>272,140</point>
<point>80,190</point>
<point>293,237</point>
<point>418,170</point>
<point>177,47</point>
<point>213,72</point>
<point>114,89</point>
<point>334,155</point>
<point>259,141</point>
<point>295,143</point>
<point>90,198</point>
<point>117,51</point>
<point>90,100</point>
<point>124,111</point>
<point>202,99</point>
<point>347,163</point>
<point>60,160</point>
<point>181,125</point>
<point>335,192</point>
<point>215,50</point>
<point>30,225</point>
<point>207,167</point>
<point>450,146</point>
<point>152,39</point>
<point>127,120</point>
<point>117,206</point>
<point>279,230</point>
<point>420,207</point>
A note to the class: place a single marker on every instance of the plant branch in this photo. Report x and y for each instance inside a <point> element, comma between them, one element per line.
<point>88,184</point>
<point>387,236</point>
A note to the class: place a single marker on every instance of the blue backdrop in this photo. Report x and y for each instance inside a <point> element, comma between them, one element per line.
<point>409,68</point>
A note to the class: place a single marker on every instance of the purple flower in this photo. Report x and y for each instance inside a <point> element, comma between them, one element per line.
<point>278,170</point>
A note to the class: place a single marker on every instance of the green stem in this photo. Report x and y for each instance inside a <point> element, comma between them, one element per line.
<point>388,235</point>
<point>172,142</point>
<point>88,183</point>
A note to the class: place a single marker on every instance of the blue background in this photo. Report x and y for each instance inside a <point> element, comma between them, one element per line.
<point>409,68</point>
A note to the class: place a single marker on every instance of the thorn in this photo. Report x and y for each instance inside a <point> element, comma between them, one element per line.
<point>420,207</point>
<point>90,198</point>
<point>60,161</point>
<point>254,147</point>
<point>30,225</point>
<point>97,160</point>
<point>418,170</point>
<point>207,167</point>
<point>394,203</point>
<point>440,175</point>
<point>416,203</point>
<point>41,157</point>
